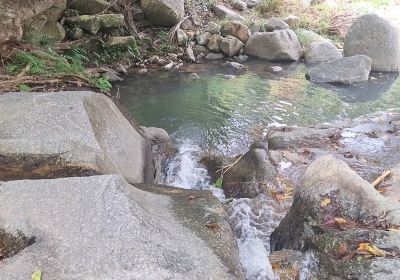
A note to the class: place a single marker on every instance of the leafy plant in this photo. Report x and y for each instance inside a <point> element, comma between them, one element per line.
<point>219,183</point>
<point>102,84</point>
<point>24,88</point>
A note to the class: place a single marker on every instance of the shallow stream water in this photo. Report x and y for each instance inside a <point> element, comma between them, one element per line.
<point>223,114</point>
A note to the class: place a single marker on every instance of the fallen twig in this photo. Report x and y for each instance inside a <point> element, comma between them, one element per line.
<point>381,178</point>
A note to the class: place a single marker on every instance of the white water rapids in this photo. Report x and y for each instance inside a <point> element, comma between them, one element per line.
<point>252,219</point>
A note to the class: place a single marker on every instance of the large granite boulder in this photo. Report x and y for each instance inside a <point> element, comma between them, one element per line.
<point>231,46</point>
<point>334,213</point>
<point>319,52</point>
<point>164,12</point>
<point>101,227</point>
<point>279,45</point>
<point>377,38</point>
<point>51,135</point>
<point>347,70</point>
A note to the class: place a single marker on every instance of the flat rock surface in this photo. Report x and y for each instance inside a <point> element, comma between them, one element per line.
<point>101,227</point>
<point>64,134</point>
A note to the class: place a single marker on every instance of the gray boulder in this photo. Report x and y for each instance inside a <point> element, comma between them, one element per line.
<point>63,134</point>
<point>225,13</point>
<point>101,227</point>
<point>202,38</point>
<point>108,21</point>
<point>276,24</point>
<point>164,12</point>
<point>90,24</point>
<point>214,43</point>
<point>55,30</point>
<point>213,28</point>
<point>345,194</point>
<point>89,7</point>
<point>74,33</point>
<point>321,52</point>
<point>231,46</point>
<point>279,45</point>
<point>55,12</point>
<point>199,49</point>
<point>347,70</point>
<point>239,5</point>
<point>181,37</point>
<point>292,21</point>
<point>377,38</point>
<point>236,29</point>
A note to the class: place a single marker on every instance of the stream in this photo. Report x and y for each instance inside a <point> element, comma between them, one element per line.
<point>223,114</point>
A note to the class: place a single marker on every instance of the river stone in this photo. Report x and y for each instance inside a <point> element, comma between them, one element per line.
<point>235,68</point>
<point>347,70</point>
<point>55,30</point>
<point>292,21</point>
<point>350,197</point>
<point>102,227</point>
<point>279,45</point>
<point>225,13</point>
<point>214,43</point>
<point>377,38</point>
<point>236,29</point>
<point>198,49</point>
<point>74,33</point>
<point>15,13</point>
<point>51,135</point>
<point>181,37</point>
<point>231,46</point>
<point>108,21</point>
<point>214,56</point>
<point>90,24</point>
<point>307,37</point>
<point>321,52</point>
<point>213,28</point>
<point>239,5</point>
<point>164,12</point>
<point>56,11</point>
<point>276,24</point>
<point>89,7</point>
<point>202,38</point>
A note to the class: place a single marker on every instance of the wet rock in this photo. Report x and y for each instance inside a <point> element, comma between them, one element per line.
<point>214,43</point>
<point>74,33</point>
<point>276,24</point>
<point>366,36</point>
<point>181,37</point>
<point>292,21</point>
<point>112,76</point>
<point>252,3</point>
<point>239,5</point>
<point>194,76</point>
<point>55,30</point>
<point>198,49</point>
<point>241,58</point>
<point>231,46</point>
<point>321,52</point>
<point>202,38</point>
<point>162,147</point>
<point>164,12</point>
<point>329,189</point>
<point>223,12</point>
<point>279,45</point>
<point>214,56</point>
<point>236,29</point>
<point>68,134</point>
<point>213,28</point>
<point>235,68</point>
<point>123,41</point>
<point>347,70</point>
<point>90,24</point>
<point>154,232</point>
<point>249,176</point>
<point>142,71</point>
<point>89,7</point>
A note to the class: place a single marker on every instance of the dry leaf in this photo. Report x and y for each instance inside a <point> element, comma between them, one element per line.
<point>342,248</point>
<point>213,226</point>
<point>372,249</point>
<point>340,221</point>
<point>325,202</point>
<point>276,266</point>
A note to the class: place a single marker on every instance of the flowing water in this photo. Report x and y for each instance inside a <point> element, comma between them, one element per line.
<point>223,114</point>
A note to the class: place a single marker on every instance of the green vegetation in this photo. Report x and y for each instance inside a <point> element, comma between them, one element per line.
<point>163,42</point>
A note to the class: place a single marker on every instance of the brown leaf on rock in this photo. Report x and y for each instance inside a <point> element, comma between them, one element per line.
<point>342,248</point>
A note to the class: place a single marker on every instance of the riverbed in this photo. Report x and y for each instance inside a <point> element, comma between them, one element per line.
<point>223,114</point>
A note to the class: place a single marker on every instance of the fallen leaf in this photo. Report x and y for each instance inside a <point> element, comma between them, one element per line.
<point>325,202</point>
<point>371,248</point>
<point>394,229</point>
<point>37,275</point>
<point>349,256</point>
<point>340,221</point>
<point>276,266</point>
